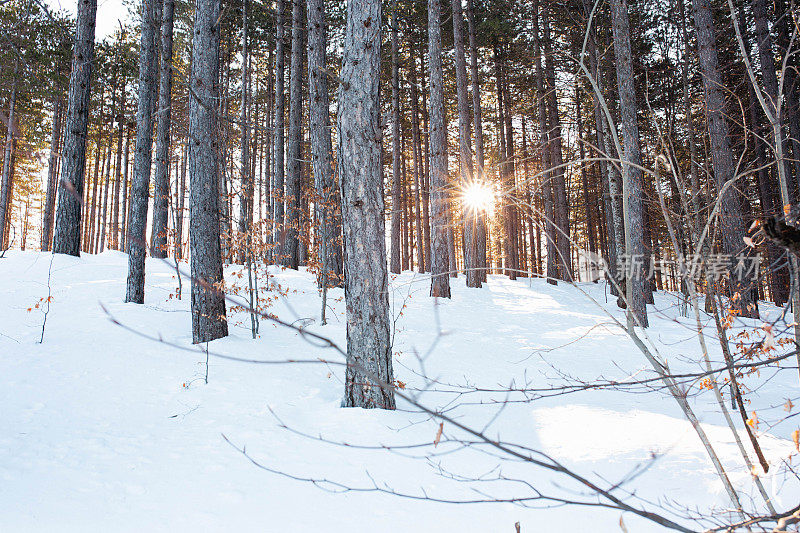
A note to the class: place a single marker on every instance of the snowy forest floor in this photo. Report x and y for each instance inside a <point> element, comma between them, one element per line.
<point>104,430</point>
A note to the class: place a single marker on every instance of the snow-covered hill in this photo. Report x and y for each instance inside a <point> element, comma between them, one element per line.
<point>104,430</point>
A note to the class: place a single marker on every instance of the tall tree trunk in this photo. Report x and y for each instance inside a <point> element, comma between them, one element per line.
<point>278,132</point>
<point>425,177</point>
<point>560,201</point>
<point>784,25</point>
<point>294,178</point>
<point>208,297</point>
<point>633,191</point>
<point>140,188</point>
<point>470,223</point>
<point>587,204</point>
<point>67,238</point>
<point>394,262</point>
<point>6,183</point>
<point>107,181</point>
<point>125,193</point>
<point>440,282</point>
<point>158,235</point>
<point>366,285</point>
<point>481,230</point>
<point>245,172</point>
<point>180,199</point>
<point>115,213</point>
<point>769,190</point>
<point>551,271</point>
<point>52,176</point>
<point>419,169</point>
<point>731,217</point>
<point>327,217</point>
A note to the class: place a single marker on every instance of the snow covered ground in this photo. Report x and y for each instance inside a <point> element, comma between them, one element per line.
<point>103,430</point>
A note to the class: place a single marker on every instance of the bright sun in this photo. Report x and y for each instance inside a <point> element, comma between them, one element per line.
<point>478,197</point>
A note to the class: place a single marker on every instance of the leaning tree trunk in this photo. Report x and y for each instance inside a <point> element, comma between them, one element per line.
<point>52,177</point>
<point>396,196</point>
<point>278,133</point>
<point>471,217</point>
<point>369,350</point>
<point>327,215</point>
<point>67,238</point>
<point>208,297</point>
<point>294,176</point>
<point>140,186</point>
<point>158,235</point>
<point>440,282</point>
<point>633,192</point>
<point>731,218</point>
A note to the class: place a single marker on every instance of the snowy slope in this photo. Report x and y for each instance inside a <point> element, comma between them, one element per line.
<point>103,430</point>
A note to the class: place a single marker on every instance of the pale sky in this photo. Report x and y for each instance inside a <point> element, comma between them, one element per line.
<point>108,13</point>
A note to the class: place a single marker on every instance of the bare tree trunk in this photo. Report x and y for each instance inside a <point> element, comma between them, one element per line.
<point>247,190</point>
<point>587,204</point>
<point>551,271</point>
<point>115,213</point>
<point>396,195</point>
<point>366,285</point>
<point>418,169</point>
<point>103,223</point>
<point>52,176</point>
<point>478,120</point>
<point>180,198</point>
<point>633,191</point>
<point>560,201</point>
<point>784,24</point>
<point>158,234</point>
<point>278,132</point>
<point>470,222</point>
<point>440,282</point>
<point>140,188</point>
<point>125,193</point>
<point>67,238</point>
<point>6,183</point>
<point>327,217</point>
<point>294,178</point>
<point>208,297</point>
<point>731,220</point>
<point>769,191</point>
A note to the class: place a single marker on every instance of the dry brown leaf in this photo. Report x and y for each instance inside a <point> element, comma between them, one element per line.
<point>438,435</point>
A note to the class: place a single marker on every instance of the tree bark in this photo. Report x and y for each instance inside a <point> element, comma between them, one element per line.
<point>294,176</point>
<point>551,270</point>
<point>419,169</point>
<point>471,216</point>
<point>481,230</point>
<point>67,238</point>
<point>560,200</point>
<point>246,190</point>
<point>208,297</point>
<point>52,176</point>
<point>142,159</point>
<point>440,282</point>
<point>396,194</point>
<point>366,285</point>
<point>731,217</point>
<point>633,191</point>
<point>158,235</point>
<point>327,216</point>
<point>278,133</point>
